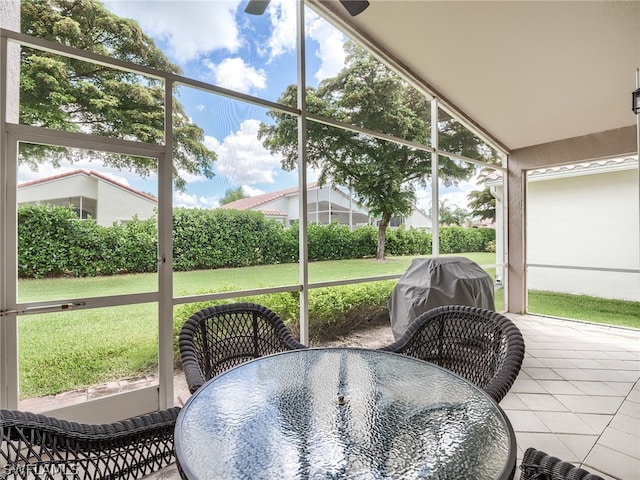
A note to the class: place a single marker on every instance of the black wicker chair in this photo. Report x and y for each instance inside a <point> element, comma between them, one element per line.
<point>217,338</point>
<point>480,345</point>
<point>537,465</point>
<point>36,446</point>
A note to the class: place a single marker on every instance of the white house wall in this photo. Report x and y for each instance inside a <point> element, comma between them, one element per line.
<point>114,203</point>
<point>117,205</point>
<point>418,220</point>
<point>585,221</point>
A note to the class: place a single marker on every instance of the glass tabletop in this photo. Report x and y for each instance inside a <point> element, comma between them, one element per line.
<point>342,413</point>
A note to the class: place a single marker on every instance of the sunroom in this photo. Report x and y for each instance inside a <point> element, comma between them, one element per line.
<point>495,90</point>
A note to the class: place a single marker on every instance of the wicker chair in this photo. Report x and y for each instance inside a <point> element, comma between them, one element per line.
<point>217,338</point>
<point>537,465</point>
<point>480,345</point>
<point>40,447</point>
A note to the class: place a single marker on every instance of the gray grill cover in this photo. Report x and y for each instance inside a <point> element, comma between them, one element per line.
<point>431,282</point>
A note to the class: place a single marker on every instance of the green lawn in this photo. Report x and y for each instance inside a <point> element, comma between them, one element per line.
<point>185,283</point>
<point>66,350</point>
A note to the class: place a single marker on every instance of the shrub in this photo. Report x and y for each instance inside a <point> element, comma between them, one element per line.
<point>53,241</point>
<point>333,311</point>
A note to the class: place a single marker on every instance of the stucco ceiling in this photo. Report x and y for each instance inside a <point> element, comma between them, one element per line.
<point>528,73</point>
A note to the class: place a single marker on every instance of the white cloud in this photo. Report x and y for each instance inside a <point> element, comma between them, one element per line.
<point>282,14</point>
<point>183,199</point>
<point>190,28</point>
<point>235,74</point>
<point>242,158</point>
<point>330,47</point>
<point>251,192</point>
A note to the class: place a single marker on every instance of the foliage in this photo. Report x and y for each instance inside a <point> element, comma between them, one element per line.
<point>333,311</point>
<point>98,346</point>
<point>455,239</point>
<point>482,203</point>
<point>224,238</point>
<point>232,195</point>
<point>382,174</point>
<point>53,242</point>
<point>68,94</point>
<point>453,215</point>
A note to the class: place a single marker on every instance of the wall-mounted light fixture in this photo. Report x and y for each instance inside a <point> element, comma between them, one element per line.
<point>635,101</point>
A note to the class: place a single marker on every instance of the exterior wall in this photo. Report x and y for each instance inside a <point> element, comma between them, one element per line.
<point>591,220</point>
<point>117,205</point>
<point>68,187</point>
<point>418,220</point>
<point>114,204</point>
<point>610,143</point>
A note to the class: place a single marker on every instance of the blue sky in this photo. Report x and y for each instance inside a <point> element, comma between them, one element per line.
<point>216,42</point>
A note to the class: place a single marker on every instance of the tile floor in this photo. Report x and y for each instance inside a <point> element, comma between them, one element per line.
<point>577,396</point>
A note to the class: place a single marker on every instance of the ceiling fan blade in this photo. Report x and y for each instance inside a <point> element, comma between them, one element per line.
<point>256,7</point>
<point>355,7</point>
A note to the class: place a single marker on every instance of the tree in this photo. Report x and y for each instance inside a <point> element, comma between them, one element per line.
<point>453,215</point>
<point>232,195</point>
<point>482,203</point>
<point>382,174</point>
<point>68,94</point>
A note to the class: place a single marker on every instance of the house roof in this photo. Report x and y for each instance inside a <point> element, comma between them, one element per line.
<point>583,168</point>
<point>88,174</point>
<point>249,203</point>
<point>526,72</point>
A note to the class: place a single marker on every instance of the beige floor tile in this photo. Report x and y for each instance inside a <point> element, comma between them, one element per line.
<point>626,424</point>
<point>588,404</point>
<point>595,388</point>
<point>575,374</point>
<point>542,374</point>
<point>580,445</point>
<point>613,463</point>
<point>596,421</point>
<point>512,402</point>
<point>566,422</point>
<point>622,442</point>
<point>550,443</point>
<point>559,387</point>
<point>542,402</point>
<point>526,421</point>
<point>524,385</point>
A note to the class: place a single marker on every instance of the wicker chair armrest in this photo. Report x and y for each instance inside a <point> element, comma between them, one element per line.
<point>537,465</point>
<point>193,373</point>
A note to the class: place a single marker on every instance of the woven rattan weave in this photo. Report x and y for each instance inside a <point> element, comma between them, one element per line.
<point>38,447</point>
<point>537,465</point>
<point>480,345</point>
<point>218,338</point>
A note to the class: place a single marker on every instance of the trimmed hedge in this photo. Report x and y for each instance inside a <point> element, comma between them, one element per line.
<point>53,242</point>
<point>333,311</point>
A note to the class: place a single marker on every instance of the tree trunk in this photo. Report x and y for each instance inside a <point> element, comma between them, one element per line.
<point>382,234</point>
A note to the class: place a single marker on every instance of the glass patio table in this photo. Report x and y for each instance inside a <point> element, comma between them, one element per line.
<point>332,413</point>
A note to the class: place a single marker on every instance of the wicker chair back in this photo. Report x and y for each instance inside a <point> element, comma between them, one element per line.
<point>218,338</point>
<point>38,447</point>
<point>480,345</point>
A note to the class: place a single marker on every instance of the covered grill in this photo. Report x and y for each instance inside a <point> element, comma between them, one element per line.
<point>431,282</point>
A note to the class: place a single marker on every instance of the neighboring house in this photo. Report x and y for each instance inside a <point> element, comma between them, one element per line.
<point>91,194</point>
<point>582,224</point>
<point>324,205</point>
